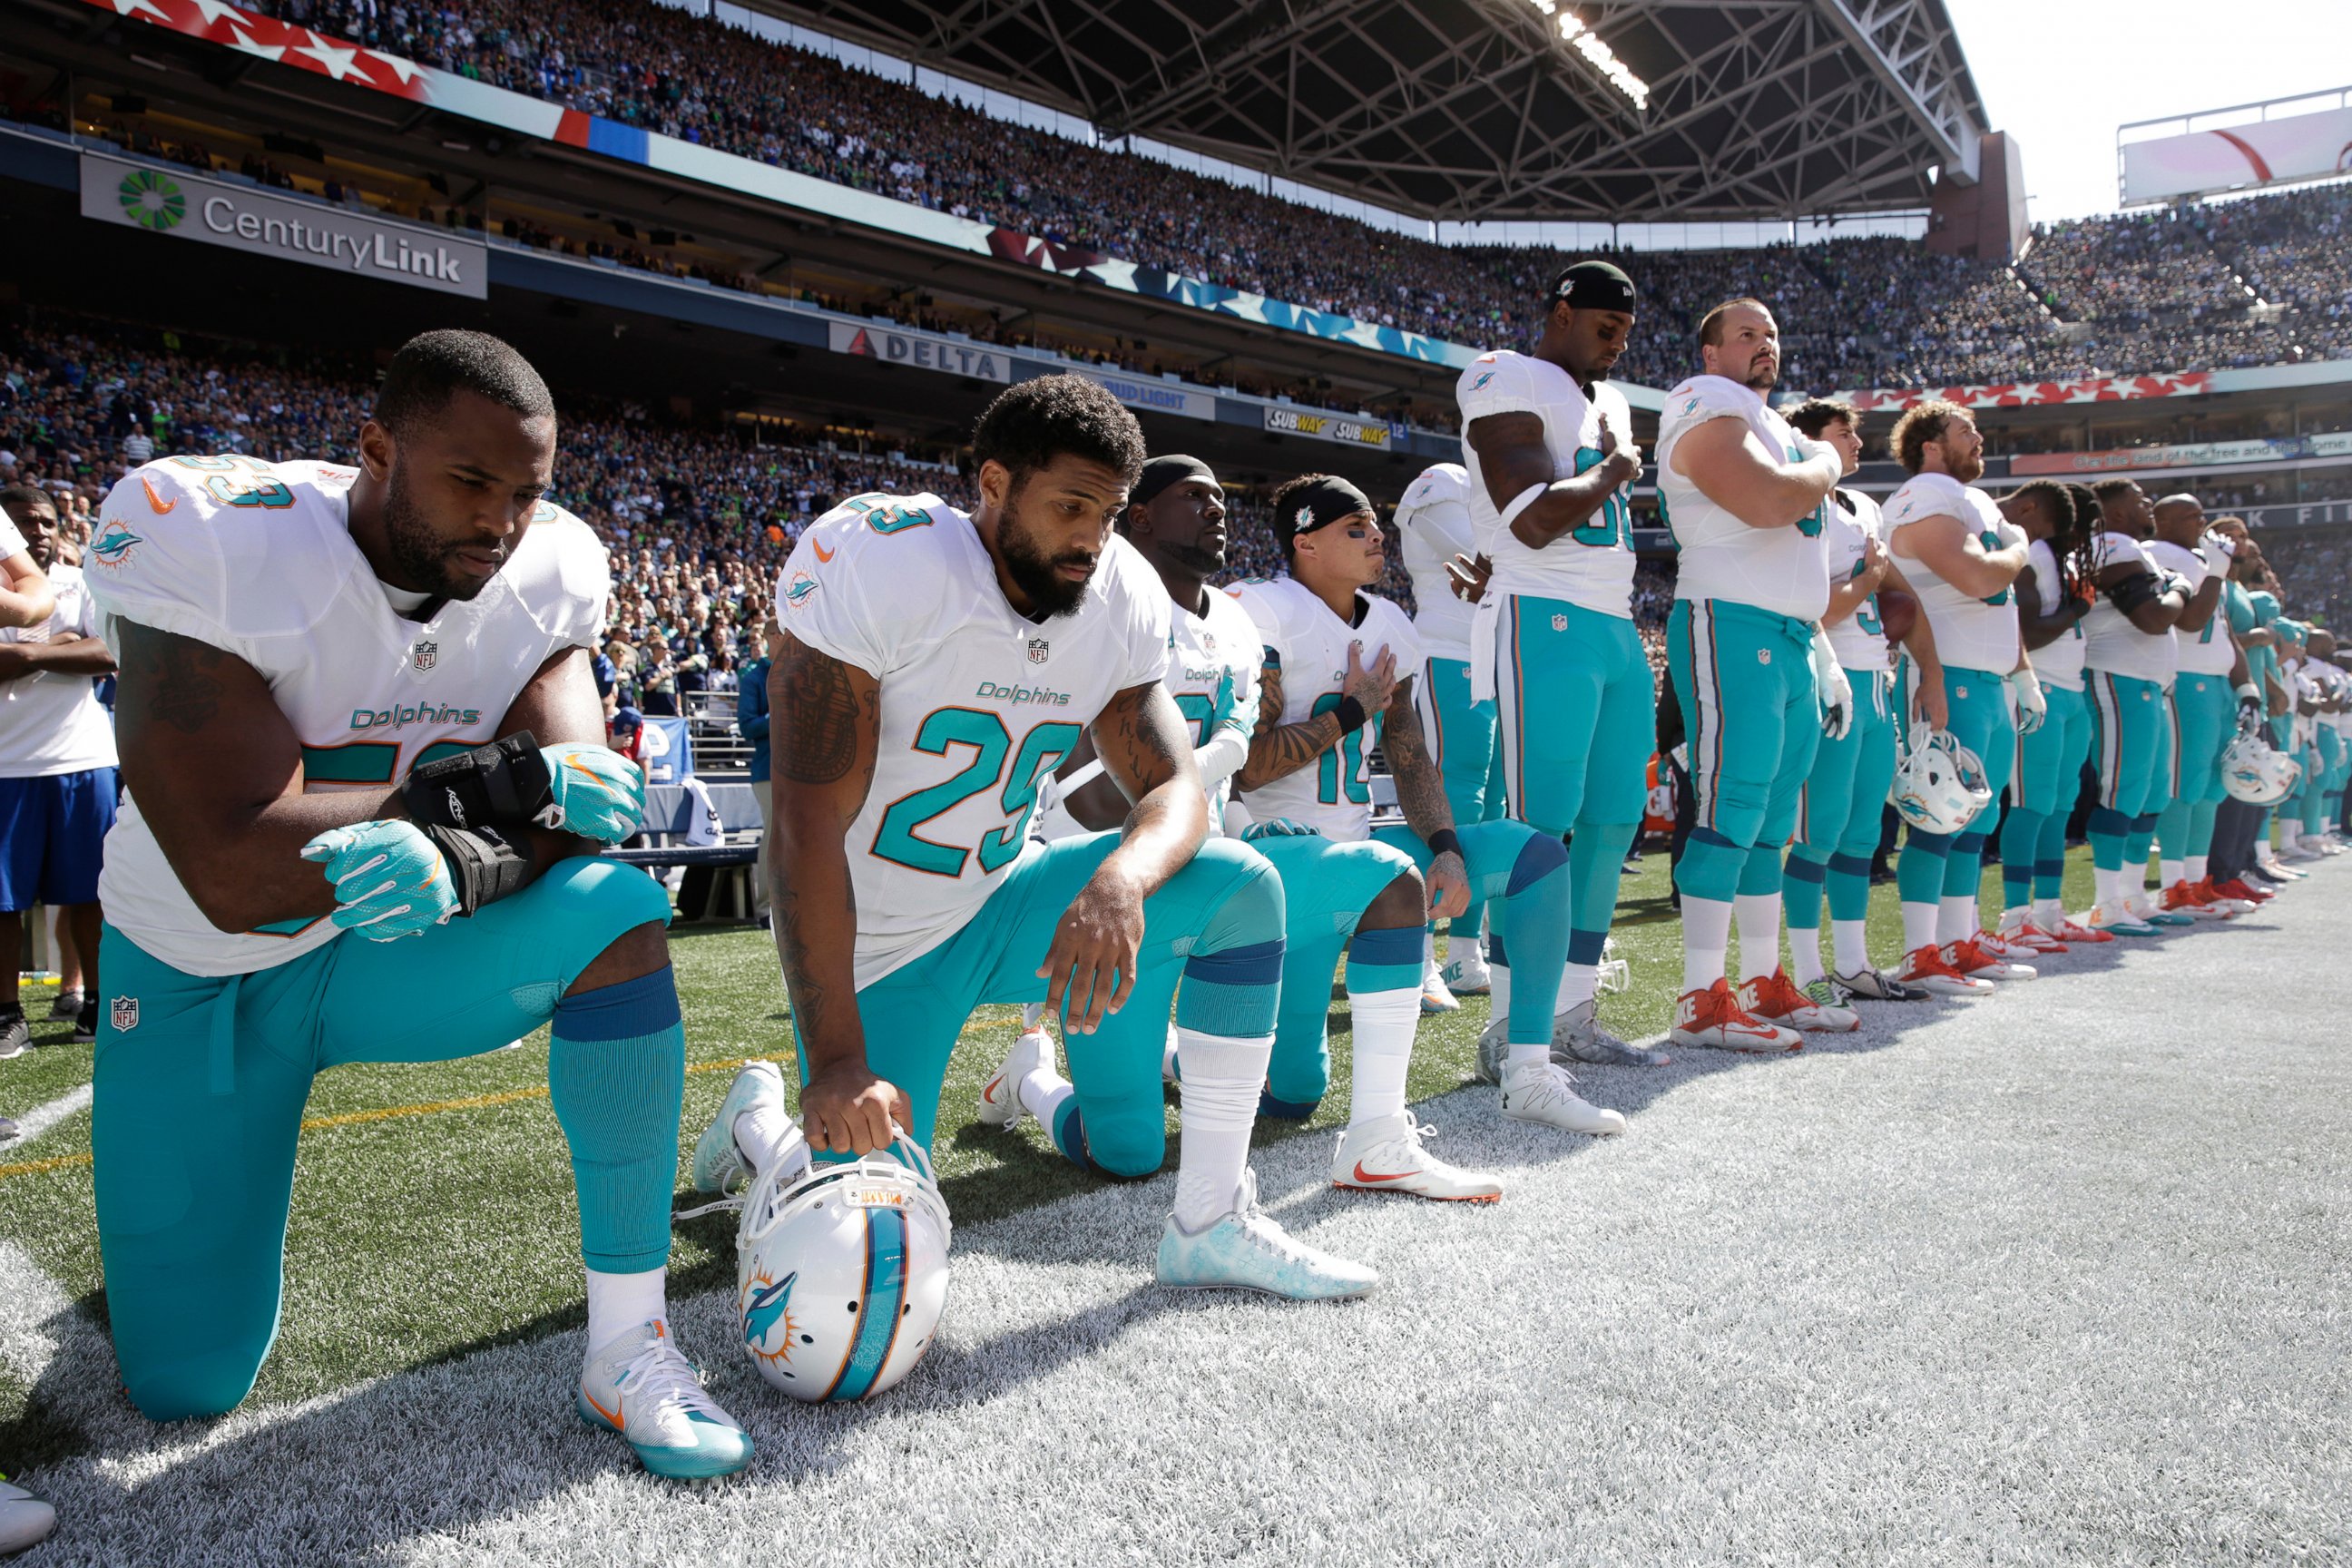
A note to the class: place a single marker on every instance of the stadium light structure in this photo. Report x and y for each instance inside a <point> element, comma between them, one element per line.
<point>1575,31</point>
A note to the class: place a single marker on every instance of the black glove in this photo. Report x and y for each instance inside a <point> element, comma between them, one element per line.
<point>485,865</point>
<point>505,782</point>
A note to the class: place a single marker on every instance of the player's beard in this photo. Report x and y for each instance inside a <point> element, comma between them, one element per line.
<point>1036,573</point>
<point>1969,469</point>
<point>418,554</point>
<point>1762,376</point>
<point>1197,558</point>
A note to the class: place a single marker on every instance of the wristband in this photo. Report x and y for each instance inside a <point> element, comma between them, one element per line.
<point>485,865</point>
<point>1444,841</point>
<point>2247,692</point>
<point>1352,715</point>
<point>504,782</point>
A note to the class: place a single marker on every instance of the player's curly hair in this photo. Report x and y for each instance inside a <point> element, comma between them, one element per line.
<point>1029,426</point>
<point>1816,414</point>
<point>2070,529</point>
<point>432,367</point>
<point>1921,424</point>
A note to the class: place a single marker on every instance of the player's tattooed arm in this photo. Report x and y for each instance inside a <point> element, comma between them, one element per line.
<point>1421,795</point>
<point>823,732</point>
<point>217,772</point>
<point>1278,750</point>
<point>1514,457</point>
<point>1097,805</point>
<point>1097,945</point>
<point>2038,629</point>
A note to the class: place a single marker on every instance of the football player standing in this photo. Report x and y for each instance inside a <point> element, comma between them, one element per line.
<point>354,704</point>
<point>2208,690</point>
<point>1747,499</point>
<point>935,668</point>
<point>1549,445</point>
<point>2130,655</point>
<point>1964,557</point>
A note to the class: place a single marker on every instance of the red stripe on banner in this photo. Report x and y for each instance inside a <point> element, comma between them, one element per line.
<point>572,129</point>
<point>2261,169</point>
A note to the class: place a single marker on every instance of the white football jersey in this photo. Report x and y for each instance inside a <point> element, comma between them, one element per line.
<point>256,559</point>
<point>1859,640</point>
<point>2209,650</point>
<point>50,721</point>
<point>1212,672</point>
<point>2058,662</point>
<point>979,702</point>
<point>2112,642</point>
<point>1591,566</point>
<point>1971,633</point>
<point>1782,570</point>
<point>1309,644</point>
<point>1434,518</point>
<point>12,543</point>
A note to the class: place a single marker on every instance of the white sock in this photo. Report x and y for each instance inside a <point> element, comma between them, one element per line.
<point>1804,955</point>
<point>619,1302</point>
<point>1579,983</point>
<point>1222,1075</point>
<point>1498,989</point>
<point>2107,886</point>
<point>758,1132</point>
<point>1759,934</point>
<point>1956,919</point>
<point>1851,942</point>
<point>2048,913</point>
<point>1042,1091</point>
<point>2172,873</point>
<point>1527,1056</point>
<point>1385,1022</point>
<point>1168,1058</point>
<point>1707,932</point>
<point>1918,926</point>
<point>2194,867</point>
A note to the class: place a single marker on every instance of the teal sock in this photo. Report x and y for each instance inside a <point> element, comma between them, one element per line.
<point>2050,858</point>
<point>1596,865</point>
<point>2141,840</point>
<point>1535,928</point>
<point>1710,867</point>
<point>1759,873</point>
<point>616,1078</point>
<point>1802,884</point>
<point>2172,829</point>
<point>2021,846</point>
<point>2201,826</point>
<point>1849,886</point>
<point>2108,830</point>
<point>1919,875</point>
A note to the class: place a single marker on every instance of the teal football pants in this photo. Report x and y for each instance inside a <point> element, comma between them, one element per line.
<point>2131,741</point>
<point>1745,679</point>
<point>200,1083</point>
<point>2204,717</point>
<point>1325,885</point>
<point>1579,719</point>
<point>1462,742</point>
<point>1216,925</point>
<point>1839,809</point>
<point>2042,797</point>
<point>1938,866</point>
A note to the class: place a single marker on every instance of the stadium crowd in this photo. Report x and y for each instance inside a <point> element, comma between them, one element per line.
<point>2159,288</point>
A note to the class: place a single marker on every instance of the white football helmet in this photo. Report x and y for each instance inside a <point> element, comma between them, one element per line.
<point>1939,785</point>
<point>2251,771</point>
<point>841,1272</point>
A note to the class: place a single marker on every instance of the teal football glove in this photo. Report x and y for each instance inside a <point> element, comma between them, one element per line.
<point>597,792</point>
<point>390,881</point>
<point>1279,827</point>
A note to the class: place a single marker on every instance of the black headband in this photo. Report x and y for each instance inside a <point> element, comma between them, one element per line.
<point>1161,472</point>
<point>1317,505</point>
<point>1595,286</point>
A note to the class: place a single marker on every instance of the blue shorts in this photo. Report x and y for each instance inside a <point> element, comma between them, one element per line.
<point>53,838</point>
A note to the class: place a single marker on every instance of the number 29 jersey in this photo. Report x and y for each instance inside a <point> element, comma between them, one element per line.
<point>1308,645</point>
<point>1591,566</point>
<point>979,702</point>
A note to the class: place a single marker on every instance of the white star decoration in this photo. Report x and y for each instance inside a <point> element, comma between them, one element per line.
<point>267,51</point>
<point>127,8</point>
<point>399,67</point>
<point>338,63</point>
<point>214,10</point>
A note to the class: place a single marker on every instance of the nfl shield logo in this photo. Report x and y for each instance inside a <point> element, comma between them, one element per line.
<point>1763,655</point>
<point>1961,692</point>
<point>1039,650</point>
<point>423,655</point>
<point>126,1014</point>
<point>1559,623</point>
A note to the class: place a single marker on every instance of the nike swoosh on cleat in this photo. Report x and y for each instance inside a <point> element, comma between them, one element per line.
<point>614,1415</point>
<point>1364,1176</point>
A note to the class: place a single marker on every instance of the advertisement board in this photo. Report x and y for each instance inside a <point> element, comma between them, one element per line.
<point>2262,152</point>
<point>1337,427</point>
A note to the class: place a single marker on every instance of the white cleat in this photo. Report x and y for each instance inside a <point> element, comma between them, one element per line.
<point>1000,1097</point>
<point>1971,958</point>
<point>643,1387</point>
<point>1543,1091</point>
<point>717,1160</point>
<point>1392,1155</point>
<point>1928,970</point>
<point>1466,973</point>
<point>24,1520</point>
<point>1774,998</point>
<point>1434,997</point>
<point>1246,1250</point>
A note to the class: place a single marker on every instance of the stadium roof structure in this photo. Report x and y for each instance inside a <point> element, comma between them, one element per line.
<point>1483,109</point>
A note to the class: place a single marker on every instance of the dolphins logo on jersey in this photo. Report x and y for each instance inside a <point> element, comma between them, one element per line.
<point>113,548</point>
<point>797,593</point>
